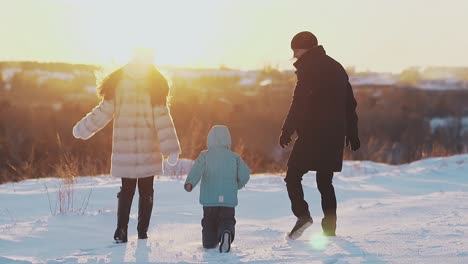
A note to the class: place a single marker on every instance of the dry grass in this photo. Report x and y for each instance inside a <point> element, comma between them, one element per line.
<point>36,140</point>
<point>67,171</point>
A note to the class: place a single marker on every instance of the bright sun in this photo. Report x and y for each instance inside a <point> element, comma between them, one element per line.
<point>179,36</point>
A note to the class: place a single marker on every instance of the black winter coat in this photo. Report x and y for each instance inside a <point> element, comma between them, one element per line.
<point>322,113</point>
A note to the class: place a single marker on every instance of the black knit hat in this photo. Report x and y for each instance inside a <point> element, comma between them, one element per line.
<point>304,40</point>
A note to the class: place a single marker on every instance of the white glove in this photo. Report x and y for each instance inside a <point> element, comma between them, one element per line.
<point>75,132</point>
<point>173,159</point>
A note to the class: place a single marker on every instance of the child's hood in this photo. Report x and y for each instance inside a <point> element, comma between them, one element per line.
<point>219,136</point>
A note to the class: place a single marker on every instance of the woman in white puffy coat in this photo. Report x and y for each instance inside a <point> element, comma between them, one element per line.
<point>134,97</point>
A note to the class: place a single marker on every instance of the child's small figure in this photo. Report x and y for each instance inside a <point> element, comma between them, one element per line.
<point>222,173</point>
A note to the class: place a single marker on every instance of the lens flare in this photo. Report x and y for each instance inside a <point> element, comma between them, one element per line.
<point>318,241</point>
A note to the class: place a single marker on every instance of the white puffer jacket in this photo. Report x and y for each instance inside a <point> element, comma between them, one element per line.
<point>142,135</point>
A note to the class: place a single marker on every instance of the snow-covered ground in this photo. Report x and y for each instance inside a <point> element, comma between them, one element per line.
<point>374,79</point>
<point>442,85</point>
<point>450,122</point>
<point>441,81</point>
<point>415,213</point>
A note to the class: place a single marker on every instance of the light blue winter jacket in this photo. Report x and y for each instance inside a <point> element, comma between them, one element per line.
<point>221,171</point>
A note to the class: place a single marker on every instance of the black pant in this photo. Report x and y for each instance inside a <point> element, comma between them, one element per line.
<point>216,220</point>
<point>145,203</point>
<point>145,186</point>
<point>299,206</point>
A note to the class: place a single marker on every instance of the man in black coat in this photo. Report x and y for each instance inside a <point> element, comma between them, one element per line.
<point>323,115</point>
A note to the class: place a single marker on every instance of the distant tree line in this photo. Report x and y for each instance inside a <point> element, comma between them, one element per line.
<point>36,121</point>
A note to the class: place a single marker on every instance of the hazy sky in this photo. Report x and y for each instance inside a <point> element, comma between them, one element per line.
<point>370,34</point>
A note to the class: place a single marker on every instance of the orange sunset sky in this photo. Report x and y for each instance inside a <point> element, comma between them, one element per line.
<point>246,34</point>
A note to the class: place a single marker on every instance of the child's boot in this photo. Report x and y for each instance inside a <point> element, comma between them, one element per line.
<point>225,245</point>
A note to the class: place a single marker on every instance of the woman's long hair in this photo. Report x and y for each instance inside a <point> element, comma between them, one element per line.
<point>156,86</point>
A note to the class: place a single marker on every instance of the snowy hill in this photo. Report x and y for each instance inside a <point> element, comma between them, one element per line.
<point>414,213</point>
<point>432,79</point>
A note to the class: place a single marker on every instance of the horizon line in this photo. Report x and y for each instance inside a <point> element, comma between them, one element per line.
<point>227,67</point>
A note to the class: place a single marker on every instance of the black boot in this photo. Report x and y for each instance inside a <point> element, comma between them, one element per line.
<point>301,225</point>
<point>120,235</point>
<point>329,225</point>
<point>123,215</point>
<point>145,207</point>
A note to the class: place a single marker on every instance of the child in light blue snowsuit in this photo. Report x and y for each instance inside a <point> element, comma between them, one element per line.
<point>222,173</point>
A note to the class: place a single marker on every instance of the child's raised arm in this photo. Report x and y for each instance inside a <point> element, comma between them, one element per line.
<point>94,121</point>
<point>196,173</point>
<point>243,173</point>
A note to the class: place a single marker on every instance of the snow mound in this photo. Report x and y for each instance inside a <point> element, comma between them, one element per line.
<point>413,213</point>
